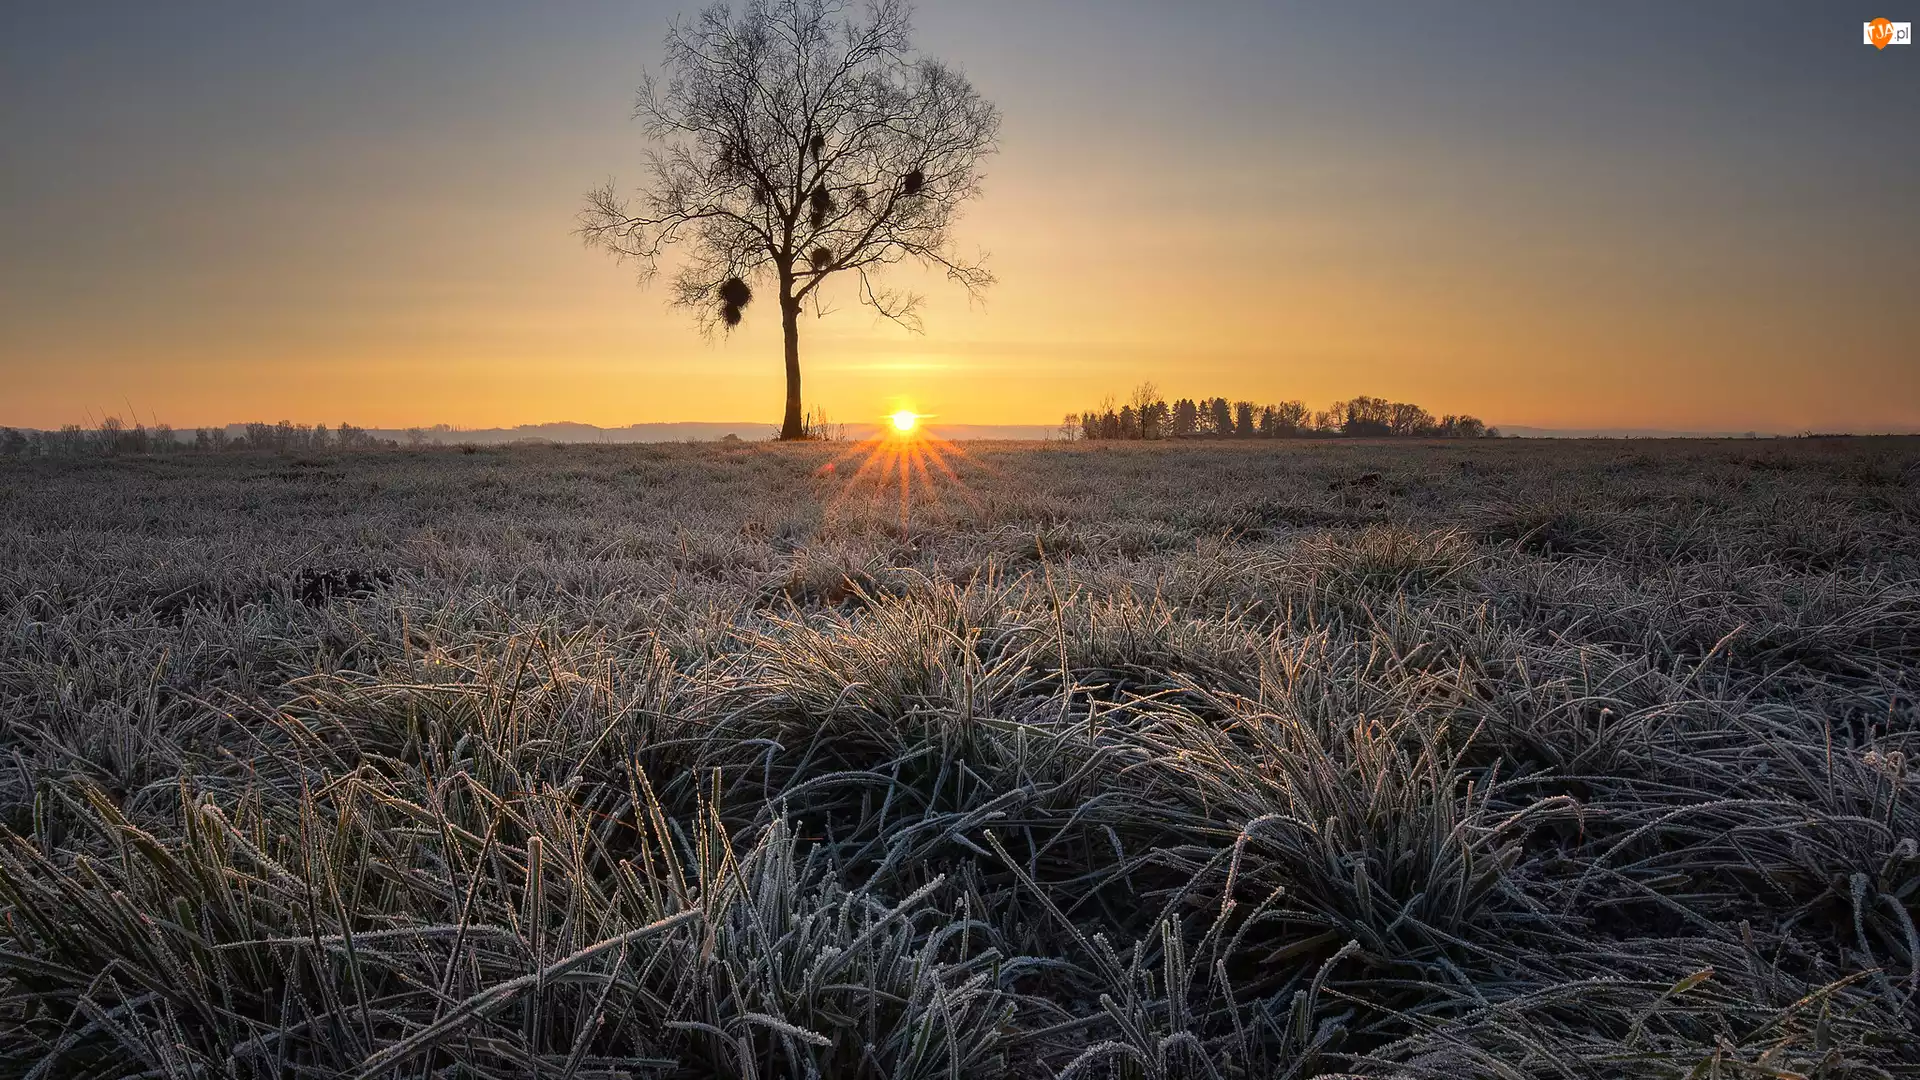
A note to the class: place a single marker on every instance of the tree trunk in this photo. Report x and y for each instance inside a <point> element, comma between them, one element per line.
<point>792,427</point>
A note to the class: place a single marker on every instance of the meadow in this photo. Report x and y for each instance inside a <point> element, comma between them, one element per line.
<point>1492,758</point>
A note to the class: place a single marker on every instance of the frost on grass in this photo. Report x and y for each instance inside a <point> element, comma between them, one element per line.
<point>1582,760</point>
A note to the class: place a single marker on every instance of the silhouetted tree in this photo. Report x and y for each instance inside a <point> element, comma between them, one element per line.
<point>1404,418</point>
<point>1146,416</point>
<point>1362,416</point>
<point>797,141</point>
<point>1221,415</point>
<point>1186,419</point>
<point>117,438</point>
<point>1148,409</point>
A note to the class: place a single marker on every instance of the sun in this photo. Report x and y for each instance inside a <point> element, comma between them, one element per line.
<point>902,455</point>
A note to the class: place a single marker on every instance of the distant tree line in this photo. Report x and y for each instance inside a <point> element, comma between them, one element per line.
<point>1146,415</point>
<point>115,437</point>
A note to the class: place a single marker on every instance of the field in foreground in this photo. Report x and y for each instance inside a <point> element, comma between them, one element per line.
<point>1503,759</point>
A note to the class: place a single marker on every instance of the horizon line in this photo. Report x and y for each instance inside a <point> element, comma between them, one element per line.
<point>721,428</point>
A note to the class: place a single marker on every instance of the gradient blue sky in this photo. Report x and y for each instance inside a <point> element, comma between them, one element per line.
<point>1554,215</point>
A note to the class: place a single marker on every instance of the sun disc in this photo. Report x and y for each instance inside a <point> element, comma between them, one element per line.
<point>904,421</point>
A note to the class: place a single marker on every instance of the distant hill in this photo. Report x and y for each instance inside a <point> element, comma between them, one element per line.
<point>1670,433</point>
<point>1631,433</point>
<point>687,431</point>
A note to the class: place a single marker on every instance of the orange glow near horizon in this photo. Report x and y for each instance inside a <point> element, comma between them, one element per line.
<point>1546,336</point>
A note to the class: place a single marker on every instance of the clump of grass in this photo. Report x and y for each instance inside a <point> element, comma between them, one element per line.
<point>250,945</point>
<point>1350,576</point>
<point>832,574</point>
<point>1551,527</point>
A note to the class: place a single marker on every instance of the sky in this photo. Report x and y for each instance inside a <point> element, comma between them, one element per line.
<point>1550,215</point>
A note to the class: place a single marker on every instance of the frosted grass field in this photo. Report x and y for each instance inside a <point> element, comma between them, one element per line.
<point>1278,759</point>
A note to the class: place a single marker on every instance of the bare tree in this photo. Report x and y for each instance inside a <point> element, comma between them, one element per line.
<point>1405,418</point>
<point>1152,411</point>
<point>794,141</point>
